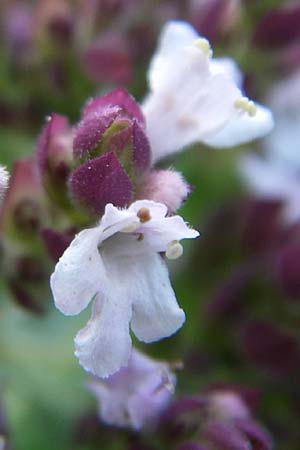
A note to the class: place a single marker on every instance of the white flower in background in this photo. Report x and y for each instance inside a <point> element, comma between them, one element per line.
<point>117,265</point>
<point>277,174</point>
<point>4,177</point>
<point>196,98</point>
<point>136,395</point>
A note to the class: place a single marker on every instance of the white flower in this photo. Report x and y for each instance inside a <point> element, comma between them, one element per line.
<point>195,98</point>
<point>277,174</point>
<point>137,394</point>
<point>117,265</point>
<point>4,177</point>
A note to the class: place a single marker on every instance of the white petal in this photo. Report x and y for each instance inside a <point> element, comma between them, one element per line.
<point>228,66</point>
<point>115,220</point>
<point>158,210</point>
<point>243,128</point>
<point>174,35</point>
<point>78,274</point>
<point>191,103</point>
<point>155,313</point>
<point>269,181</point>
<point>104,345</point>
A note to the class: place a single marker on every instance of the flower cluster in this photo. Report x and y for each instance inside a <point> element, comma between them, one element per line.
<point>93,198</point>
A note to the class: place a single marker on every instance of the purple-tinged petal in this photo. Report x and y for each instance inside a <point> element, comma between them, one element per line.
<point>259,437</point>
<point>56,242</point>
<point>225,436</point>
<point>91,129</point>
<point>164,186</point>
<point>101,181</point>
<point>108,60</point>
<point>141,149</point>
<point>118,97</point>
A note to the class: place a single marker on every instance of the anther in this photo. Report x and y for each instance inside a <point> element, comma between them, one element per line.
<point>203,45</point>
<point>144,215</point>
<point>246,105</point>
<point>174,250</point>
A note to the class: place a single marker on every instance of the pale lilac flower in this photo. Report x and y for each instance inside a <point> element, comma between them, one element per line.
<point>164,186</point>
<point>136,395</point>
<point>277,175</point>
<point>4,177</point>
<point>196,98</point>
<point>117,265</point>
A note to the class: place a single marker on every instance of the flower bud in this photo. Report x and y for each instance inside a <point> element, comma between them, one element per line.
<point>100,181</point>
<point>56,242</point>
<point>271,348</point>
<point>164,186</point>
<point>54,155</point>
<point>108,60</point>
<point>22,209</point>
<point>111,152</point>
<point>278,27</point>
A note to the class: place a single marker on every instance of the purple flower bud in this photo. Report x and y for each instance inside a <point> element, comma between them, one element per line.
<point>228,299</point>
<point>258,437</point>
<point>191,446</point>
<point>118,97</point>
<point>271,348</point>
<point>100,181</point>
<point>17,24</point>
<point>108,60</point>
<point>213,18</point>
<point>278,27</point>
<point>22,207</point>
<point>54,149</point>
<point>56,242</point>
<point>23,298</point>
<point>225,436</point>
<point>91,129</point>
<point>287,270</point>
<point>260,224</point>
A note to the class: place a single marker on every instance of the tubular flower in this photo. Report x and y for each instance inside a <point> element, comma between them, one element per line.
<point>137,394</point>
<point>4,177</point>
<point>117,265</point>
<point>196,98</point>
<point>276,175</point>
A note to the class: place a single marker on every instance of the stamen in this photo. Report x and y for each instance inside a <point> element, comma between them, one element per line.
<point>203,45</point>
<point>246,105</point>
<point>174,250</point>
<point>144,215</point>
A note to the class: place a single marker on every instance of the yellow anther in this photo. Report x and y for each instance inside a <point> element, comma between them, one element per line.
<point>144,215</point>
<point>204,46</point>
<point>174,250</point>
<point>246,105</point>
